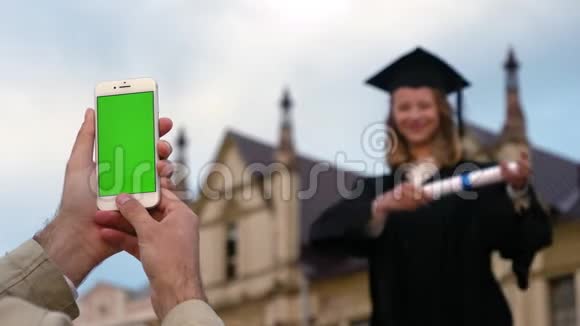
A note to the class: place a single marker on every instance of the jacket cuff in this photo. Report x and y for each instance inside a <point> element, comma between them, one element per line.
<point>192,313</point>
<point>29,274</point>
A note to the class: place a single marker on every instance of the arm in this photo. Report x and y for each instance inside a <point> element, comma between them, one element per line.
<point>31,288</point>
<point>192,313</point>
<point>15,311</point>
<point>168,248</point>
<point>352,224</point>
<point>27,273</point>
<point>517,234</point>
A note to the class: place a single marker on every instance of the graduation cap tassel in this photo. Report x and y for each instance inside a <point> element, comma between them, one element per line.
<point>460,112</point>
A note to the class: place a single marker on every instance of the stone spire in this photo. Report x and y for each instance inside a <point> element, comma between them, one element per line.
<point>513,137</point>
<point>285,188</point>
<point>285,153</point>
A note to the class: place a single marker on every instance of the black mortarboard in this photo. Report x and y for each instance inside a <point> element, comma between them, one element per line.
<point>421,68</point>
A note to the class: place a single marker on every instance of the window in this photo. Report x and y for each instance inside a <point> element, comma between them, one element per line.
<point>231,251</point>
<point>562,301</point>
<point>103,309</point>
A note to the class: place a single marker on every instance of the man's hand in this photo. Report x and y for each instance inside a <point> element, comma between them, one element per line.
<point>72,239</point>
<point>168,247</point>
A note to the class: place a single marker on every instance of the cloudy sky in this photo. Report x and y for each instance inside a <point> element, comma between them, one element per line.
<point>223,64</point>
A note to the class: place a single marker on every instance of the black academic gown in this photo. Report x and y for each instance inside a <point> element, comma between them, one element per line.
<point>432,266</point>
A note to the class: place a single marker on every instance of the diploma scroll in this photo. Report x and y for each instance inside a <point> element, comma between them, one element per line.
<point>467,181</point>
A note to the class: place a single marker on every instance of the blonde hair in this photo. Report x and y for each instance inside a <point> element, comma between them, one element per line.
<point>446,143</point>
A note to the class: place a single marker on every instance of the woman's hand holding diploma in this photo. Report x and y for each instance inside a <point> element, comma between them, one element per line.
<point>404,197</point>
<point>517,178</point>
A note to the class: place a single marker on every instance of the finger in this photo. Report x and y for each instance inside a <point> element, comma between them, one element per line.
<point>524,161</point>
<point>114,220</point>
<point>165,125</point>
<point>167,183</point>
<point>82,152</point>
<point>425,197</point>
<point>169,201</point>
<point>415,193</point>
<point>121,241</point>
<point>527,163</point>
<point>410,191</point>
<point>523,169</point>
<point>400,190</point>
<point>165,168</point>
<point>408,187</point>
<point>170,195</point>
<point>398,193</point>
<point>134,212</point>
<point>164,149</point>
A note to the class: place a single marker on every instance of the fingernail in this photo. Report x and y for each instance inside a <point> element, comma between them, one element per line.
<point>123,198</point>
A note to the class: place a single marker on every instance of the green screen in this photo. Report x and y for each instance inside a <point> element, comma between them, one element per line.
<point>126,143</point>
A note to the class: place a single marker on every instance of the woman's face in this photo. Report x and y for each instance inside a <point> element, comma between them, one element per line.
<point>415,114</point>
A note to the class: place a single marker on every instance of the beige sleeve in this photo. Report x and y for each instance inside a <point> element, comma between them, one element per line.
<point>192,313</point>
<point>27,273</point>
<point>15,311</point>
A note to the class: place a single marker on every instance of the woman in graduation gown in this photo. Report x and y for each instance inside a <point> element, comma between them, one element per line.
<point>430,259</point>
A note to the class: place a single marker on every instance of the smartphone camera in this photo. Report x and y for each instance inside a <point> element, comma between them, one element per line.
<point>115,87</point>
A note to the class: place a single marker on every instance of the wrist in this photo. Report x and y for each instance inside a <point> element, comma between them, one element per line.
<point>378,219</point>
<point>379,213</point>
<point>168,297</point>
<point>64,249</point>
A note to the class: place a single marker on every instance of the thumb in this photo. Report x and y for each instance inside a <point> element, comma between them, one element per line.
<point>134,212</point>
<point>82,152</point>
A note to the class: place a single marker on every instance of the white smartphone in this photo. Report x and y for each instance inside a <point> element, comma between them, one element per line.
<point>127,115</point>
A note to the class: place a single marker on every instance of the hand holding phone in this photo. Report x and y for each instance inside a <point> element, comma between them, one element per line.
<point>71,240</point>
